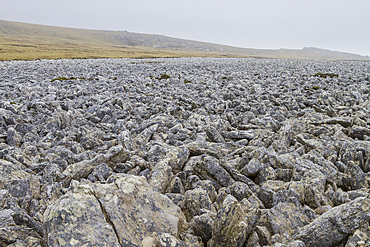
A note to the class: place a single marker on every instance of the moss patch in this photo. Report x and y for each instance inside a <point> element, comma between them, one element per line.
<point>325,75</point>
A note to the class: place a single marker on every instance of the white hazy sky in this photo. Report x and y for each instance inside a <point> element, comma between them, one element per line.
<point>342,25</point>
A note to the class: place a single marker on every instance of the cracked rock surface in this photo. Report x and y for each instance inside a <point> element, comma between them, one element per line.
<point>184,152</point>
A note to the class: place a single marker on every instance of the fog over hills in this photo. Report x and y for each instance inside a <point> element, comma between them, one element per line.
<point>31,41</point>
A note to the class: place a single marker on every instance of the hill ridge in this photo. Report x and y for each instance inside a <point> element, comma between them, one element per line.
<point>34,41</point>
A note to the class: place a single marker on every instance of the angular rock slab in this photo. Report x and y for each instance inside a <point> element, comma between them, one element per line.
<point>336,224</point>
<point>77,218</point>
<point>232,224</point>
<point>218,150</point>
<point>18,182</point>
<point>126,213</point>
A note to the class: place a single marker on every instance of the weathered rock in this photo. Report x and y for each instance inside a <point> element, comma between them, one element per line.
<point>206,185</point>
<point>174,156</point>
<point>67,221</point>
<point>359,237</point>
<point>232,224</point>
<point>336,224</point>
<point>100,173</point>
<point>356,177</point>
<point>240,190</point>
<point>239,134</point>
<point>359,132</point>
<point>177,199</point>
<point>192,240</point>
<point>252,168</point>
<point>195,200</point>
<point>210,168</point>
<point>13,138</point>
<point>127,212</point>
<point>266,173</point>
<point>202,226</point>
<point>176,186</point>
<point>83,168</point>
<point>218,150</point>
<point>284,218</point>
<point>145,135</point>
<point>17,182</point>
<point>253,240</point>
<point>264,236</point>
<point>214,135</point>
<point>288,145</point>
<point>160,177</point>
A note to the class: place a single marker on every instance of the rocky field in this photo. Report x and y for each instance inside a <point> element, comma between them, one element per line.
<point>184,152</point>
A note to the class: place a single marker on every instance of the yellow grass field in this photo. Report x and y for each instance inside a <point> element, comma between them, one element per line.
<point>21,41</point>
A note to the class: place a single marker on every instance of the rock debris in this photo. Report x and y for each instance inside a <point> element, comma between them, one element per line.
<point>184,152</point>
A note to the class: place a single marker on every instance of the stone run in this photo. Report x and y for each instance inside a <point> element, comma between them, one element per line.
<point>184,152</point>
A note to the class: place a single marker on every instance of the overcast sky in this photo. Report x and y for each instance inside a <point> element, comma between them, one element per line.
<point>342,25</point>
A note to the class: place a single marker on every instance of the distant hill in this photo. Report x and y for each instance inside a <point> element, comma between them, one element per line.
<point>31,41</point>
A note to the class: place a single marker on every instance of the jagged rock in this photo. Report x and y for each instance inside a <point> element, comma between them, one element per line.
<point>356,177</point>
<point>359,132</point>
<point>284,218</point>
<point>252,168</point>
<point>310,141</point>
<point>345,122</point>
<point>67,222</point>
<point>206,185</point>
<point>192,240</point>
<point>13,138</point>
<point>218,150</point>
<point>357,193</point>
<point>214,135</point>
<point>202,226</point>
<point>253,240</point>
<point>326,167</point>
<point>122,213</point>
<point>166,239</point>
<point>134,171</point>
<point>296,243</point>
<point>285,161</point>
<point>239,134</point>
<point>17,182</point>
<point>145,135</point>
<point>126,140</point>
<point>176,186</point>
<point>282,196</point>
<point>83,168</point>
<point>177,199</point>
<point>240,190</point>
<point>238,176</point>
<point>3,195</point>
<point>359,237</point>
<point>17,226</point>
<point>251,156</point>
<point>160,177</point>
<point>284,174</point>
<point>336,224</point>
<point>266,173</point>
<point>232,224</point>
<point>264,236</point>
<point>124,168</point>
<point>174,156</point>
<point>195,200</point>
<point>209,168</point>
<point>116,154</point>
<point>100,173</point>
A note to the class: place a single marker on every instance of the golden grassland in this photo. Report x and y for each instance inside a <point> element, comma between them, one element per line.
<point>22,41</point>
<point>25,47</point>
<point>31,51</point>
